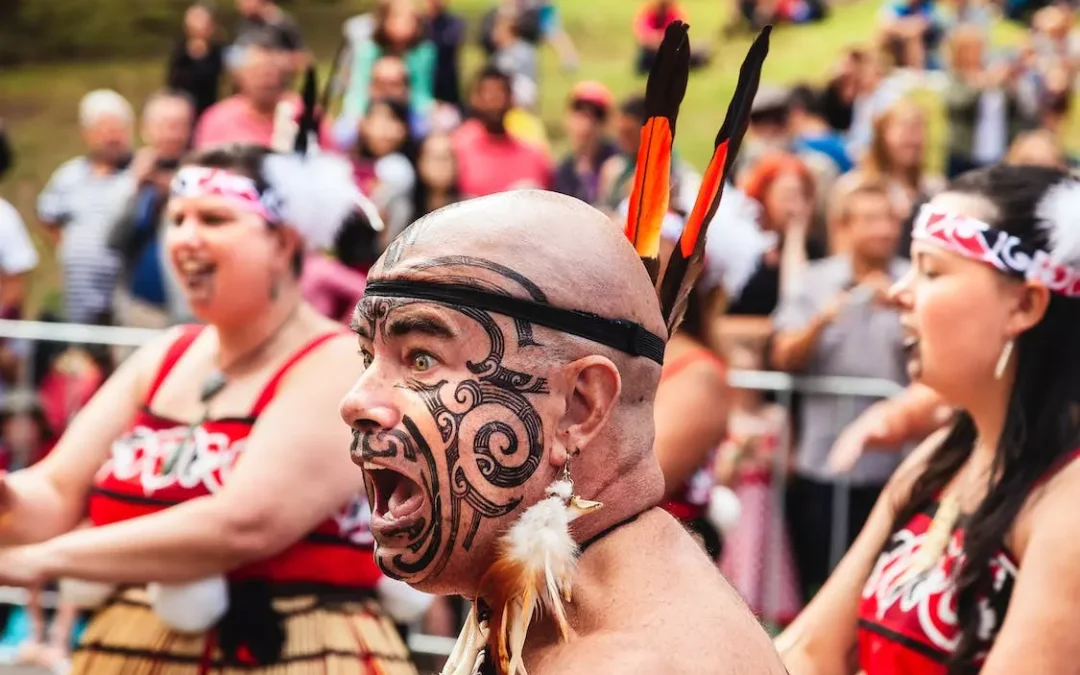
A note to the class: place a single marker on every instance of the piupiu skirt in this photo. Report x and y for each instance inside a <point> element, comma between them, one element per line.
<point>270,635</point>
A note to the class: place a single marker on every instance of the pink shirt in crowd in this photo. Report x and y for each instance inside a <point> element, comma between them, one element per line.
<point>488,164</point>
<point>233,120</point>
<point>330,287</point>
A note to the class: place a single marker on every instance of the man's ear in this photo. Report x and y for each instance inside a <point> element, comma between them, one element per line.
<point>593,387</point>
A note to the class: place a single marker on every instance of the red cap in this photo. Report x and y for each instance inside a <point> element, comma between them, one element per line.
<point>591,91</point>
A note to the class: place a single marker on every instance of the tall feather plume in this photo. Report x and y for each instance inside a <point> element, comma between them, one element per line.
<point>684,265</point>
<point>652,176</point>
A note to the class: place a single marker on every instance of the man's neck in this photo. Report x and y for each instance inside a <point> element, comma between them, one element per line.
<point>258,111</point>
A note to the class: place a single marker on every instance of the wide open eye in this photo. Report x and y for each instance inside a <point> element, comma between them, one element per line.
<point>422,361</point>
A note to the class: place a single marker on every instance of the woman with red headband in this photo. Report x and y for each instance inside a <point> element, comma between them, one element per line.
<point>228,533</point>
<point>968,562</point>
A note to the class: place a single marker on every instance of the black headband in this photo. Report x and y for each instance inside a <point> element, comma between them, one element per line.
<point>626,336</point>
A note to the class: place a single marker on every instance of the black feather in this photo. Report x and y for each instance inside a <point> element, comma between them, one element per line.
<point>666,86</point>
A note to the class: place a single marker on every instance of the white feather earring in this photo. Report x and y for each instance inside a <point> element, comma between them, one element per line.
<point>533,571</point>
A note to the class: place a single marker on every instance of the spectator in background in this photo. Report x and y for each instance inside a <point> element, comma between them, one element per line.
<point>617,174</point>
<point>984,106</point>
<point>448,32</point>
<point>1037,148</point>
<point>535,21</point>
<point>148,296</point>
<point>838,97</point>
<point>281,30</point>
<point>877,88</point>
<point>249,115</point>
<point>897,160</point>
<point>838,320</point>
<point>517,58</point>
<point>398,31</point>
<point>578,175</point>
<point>809,130</point>
<point>384,163</point>
<point>197,61</point>
<point>912,31</point>
<point>436,175</point>
<point>81,202</point>
<point>334,284</point>
<point>18,258</point>
<point>784,187</point>
<point>489,159</point>
<point>650,22</point>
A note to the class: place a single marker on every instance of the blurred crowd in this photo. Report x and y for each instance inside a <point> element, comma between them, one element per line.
<point>816,225</point>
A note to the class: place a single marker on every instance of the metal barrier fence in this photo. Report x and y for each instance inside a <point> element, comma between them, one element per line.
<point>784,385</point>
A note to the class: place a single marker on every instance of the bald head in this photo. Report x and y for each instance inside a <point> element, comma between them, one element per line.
<point>571,251</point>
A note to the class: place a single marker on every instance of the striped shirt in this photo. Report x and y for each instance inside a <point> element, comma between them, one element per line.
<point>86,205</point>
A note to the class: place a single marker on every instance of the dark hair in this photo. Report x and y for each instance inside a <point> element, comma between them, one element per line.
<point>806,98</point>
<point>695,323</point>
<point>634,107</point>
<point>245,159</point>
<point>401,112</point>
<point>594,110</point>
<point>1040,426</point>
<point>420,193</point>
<point>492,72</point>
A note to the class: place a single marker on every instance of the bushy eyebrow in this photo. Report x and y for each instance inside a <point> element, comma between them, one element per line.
<point>400,326</point>
<point>404,324</point>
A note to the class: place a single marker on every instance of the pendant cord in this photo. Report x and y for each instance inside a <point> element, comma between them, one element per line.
<point>217,380</point>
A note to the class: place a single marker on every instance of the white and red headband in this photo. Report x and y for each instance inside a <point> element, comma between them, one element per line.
<point>241,191</point>
<point>314,194</point>
<point>976,240</point>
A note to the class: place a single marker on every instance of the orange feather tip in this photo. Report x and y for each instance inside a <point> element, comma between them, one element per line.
<point>708,198</point>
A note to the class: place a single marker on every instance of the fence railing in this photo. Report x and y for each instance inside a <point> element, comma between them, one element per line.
<point>783,384</point>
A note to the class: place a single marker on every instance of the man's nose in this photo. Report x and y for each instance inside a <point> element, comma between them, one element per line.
<point>368,408</point>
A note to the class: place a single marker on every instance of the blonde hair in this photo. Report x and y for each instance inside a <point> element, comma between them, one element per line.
<point>877,165</point>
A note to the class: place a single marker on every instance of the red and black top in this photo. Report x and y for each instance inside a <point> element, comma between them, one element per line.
<point>908,626</point>
<point>337,555</point>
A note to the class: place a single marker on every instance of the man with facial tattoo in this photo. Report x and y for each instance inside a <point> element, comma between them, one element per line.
<point>469,407</point>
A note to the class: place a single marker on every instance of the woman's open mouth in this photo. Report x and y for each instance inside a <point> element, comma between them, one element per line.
<point>197,277</point>
<point>911,350</point>
<point>397,502</point>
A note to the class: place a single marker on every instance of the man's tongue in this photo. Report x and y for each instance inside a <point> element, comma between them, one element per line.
<point>404,500</point>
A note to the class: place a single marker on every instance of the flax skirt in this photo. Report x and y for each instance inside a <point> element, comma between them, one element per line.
<point>126,637</point>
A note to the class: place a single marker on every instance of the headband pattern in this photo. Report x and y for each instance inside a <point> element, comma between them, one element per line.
<point>201,181</point>
<point>1007,253</point>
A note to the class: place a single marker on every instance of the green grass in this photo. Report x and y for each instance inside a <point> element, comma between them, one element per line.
<point>39,102</point>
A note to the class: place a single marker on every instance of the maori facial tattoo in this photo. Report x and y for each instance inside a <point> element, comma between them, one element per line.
<point>468,433</point>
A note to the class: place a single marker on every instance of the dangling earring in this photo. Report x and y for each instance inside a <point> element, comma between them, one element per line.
<point>534,569</point>
<point>1003,360</point>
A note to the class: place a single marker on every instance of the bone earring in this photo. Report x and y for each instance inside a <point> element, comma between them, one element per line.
<point>1003,360</point>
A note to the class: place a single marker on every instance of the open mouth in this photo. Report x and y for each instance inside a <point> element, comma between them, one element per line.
<point>197,277</point>
<point>911,351</point>
<point>397,501</point>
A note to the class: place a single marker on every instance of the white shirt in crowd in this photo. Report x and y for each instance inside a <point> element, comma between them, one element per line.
<point>17,252</point>
<point>86,205</point>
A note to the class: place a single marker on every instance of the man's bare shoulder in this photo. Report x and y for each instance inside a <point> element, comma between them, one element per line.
<point>647,653</point>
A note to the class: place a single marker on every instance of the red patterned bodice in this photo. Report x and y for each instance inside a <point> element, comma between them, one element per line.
<point>134,482</point>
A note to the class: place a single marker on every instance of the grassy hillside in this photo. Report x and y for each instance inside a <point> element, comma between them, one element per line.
<point>39,102</point>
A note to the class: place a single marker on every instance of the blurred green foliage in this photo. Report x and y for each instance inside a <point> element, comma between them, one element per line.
<point>35,31</point>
